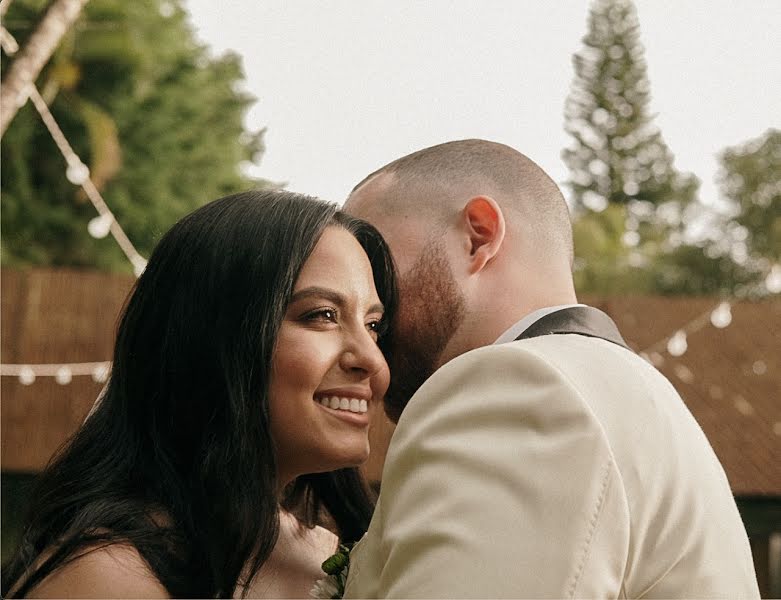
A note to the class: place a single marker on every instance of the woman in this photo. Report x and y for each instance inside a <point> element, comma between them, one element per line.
<point>245,363</point>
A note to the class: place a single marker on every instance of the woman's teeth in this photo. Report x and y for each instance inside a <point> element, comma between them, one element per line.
<point>351,404</point>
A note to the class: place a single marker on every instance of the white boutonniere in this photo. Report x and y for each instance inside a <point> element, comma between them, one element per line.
<point>335,568</point>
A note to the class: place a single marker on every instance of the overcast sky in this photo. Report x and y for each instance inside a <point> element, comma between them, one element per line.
<point>344,87</point>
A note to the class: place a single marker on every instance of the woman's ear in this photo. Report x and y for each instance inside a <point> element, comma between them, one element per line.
<point>484,224</point>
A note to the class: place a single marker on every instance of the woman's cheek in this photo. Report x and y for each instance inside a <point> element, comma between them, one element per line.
<point>381,383</point>
<point>304,357</point>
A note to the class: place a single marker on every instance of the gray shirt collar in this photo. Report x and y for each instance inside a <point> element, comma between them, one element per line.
<point>513,332</point>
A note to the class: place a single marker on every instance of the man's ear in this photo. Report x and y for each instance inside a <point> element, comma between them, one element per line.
<point>484,224</point>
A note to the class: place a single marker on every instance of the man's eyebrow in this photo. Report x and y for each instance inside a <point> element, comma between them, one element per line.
<point>329,294</point>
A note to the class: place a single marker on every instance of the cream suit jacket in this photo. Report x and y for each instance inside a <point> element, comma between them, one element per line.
<point>561,466</point>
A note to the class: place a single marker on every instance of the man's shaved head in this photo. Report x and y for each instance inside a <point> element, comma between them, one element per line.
<point>436,181</point>
<point>481,237</point>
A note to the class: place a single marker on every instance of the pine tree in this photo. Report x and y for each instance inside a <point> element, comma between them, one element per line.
<point>618,154</point>
<point>158,121</point>
<point>629,200</point>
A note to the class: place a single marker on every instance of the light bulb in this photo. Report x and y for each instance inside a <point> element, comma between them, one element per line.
<point>26,376</point>
<point>63,376</point>
<point>100,226</point>
<point>100,373</point>
<point>721,315</point>
<point>677,344</point>
<point>77,173</point>
<point>773,279</point>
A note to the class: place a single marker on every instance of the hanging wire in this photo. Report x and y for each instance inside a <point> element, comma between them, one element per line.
<point>78,174</point>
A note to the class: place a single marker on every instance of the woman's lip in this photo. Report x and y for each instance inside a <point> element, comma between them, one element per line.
<point>360,394</point>
<point>361,419</point>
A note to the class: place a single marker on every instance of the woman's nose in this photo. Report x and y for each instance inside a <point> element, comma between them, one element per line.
<point>362,353</point>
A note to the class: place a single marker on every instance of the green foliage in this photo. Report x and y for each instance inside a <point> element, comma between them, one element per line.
<point>742,245</point>
<point>158,121</point>
<point>751,181</point>
<point>611,267</point>
<point>694,269</point>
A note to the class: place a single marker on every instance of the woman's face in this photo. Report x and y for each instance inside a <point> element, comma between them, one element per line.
<point>328,375</point>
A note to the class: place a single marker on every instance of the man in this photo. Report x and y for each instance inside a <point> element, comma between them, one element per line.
<point>535,454</point>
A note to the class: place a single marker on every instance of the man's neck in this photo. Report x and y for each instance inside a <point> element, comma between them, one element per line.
<point>484,327</point>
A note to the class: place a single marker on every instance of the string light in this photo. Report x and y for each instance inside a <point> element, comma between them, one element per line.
<point>63,376</point>
<point>677,344</point>
<point>62,373</point>
<point>26,376</point>
<point>100,373</point>
<point>773,279</point>
<point>721,316</point>
<point>99,227</point>
<point>76,172</point>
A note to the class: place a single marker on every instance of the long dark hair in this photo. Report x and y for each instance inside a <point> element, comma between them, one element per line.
<point>177,458</point>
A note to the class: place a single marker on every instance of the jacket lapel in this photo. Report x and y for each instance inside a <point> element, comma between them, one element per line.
<point>580,320</point>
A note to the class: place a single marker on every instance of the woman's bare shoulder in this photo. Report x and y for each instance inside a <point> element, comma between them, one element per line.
<point>114,571</point>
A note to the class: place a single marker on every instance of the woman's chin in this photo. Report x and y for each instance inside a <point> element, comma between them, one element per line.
<point>323,467</point>
<point>353,461</point>
<point>346,460</point>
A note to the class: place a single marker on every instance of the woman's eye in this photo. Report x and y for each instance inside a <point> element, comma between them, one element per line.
<point>323,314</point>
<point>377,327</point>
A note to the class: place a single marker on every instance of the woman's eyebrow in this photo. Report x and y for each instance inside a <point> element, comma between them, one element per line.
<point>377,308</point>
<point>331,295</point>
<point>319,292</point>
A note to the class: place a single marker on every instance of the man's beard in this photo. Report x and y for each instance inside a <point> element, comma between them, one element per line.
<point>431,309</point>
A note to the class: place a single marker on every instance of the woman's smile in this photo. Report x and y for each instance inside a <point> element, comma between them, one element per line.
<point>354,412</point>
<point>352,404</point>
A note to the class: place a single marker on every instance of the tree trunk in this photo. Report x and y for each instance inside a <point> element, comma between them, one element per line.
<point>29,61</point>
